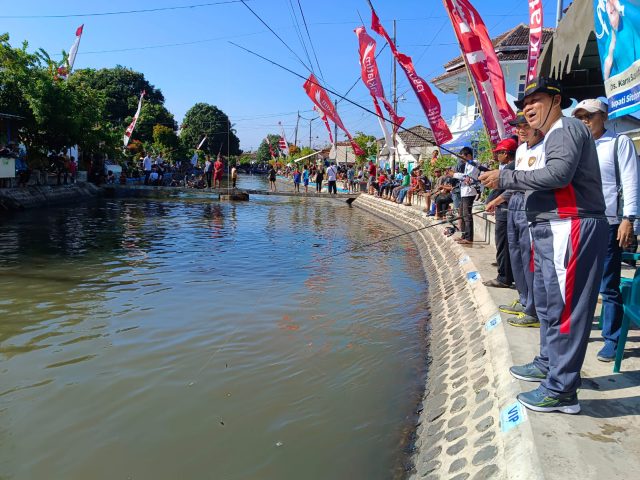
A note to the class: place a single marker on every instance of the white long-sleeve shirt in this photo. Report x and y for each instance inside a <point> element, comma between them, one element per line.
<point>629,171</point>
<point>469,171</point>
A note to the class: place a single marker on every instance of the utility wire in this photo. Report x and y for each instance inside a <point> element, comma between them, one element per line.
<point>126,12</point>
<point>296,26</point>
<point>277,36</point>
<point>450,152</point>
<point>304,20</point>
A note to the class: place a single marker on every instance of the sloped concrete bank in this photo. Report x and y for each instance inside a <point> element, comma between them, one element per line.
<point>44,195</point>
<point>459,434</point>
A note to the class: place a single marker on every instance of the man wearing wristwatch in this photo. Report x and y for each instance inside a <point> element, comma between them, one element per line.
<point>619,171</point>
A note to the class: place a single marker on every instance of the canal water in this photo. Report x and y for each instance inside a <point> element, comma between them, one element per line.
<point>188,338</point>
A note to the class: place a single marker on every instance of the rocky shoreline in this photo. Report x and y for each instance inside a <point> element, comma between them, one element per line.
<point>458,432</point>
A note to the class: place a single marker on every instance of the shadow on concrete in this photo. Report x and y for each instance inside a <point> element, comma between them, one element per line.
<point>611,407</point>
<point>615,381</point>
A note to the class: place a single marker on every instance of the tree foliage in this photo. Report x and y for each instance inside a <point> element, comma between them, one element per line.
<point>204,119</point>
<point>263,154</point>
<point>368,144</point>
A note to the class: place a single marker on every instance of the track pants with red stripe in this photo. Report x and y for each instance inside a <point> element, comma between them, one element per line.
<point>568,263</point>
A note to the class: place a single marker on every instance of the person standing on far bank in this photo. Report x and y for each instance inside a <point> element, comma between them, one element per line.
<point>619,171</point>
<point>565,206</point>
<point>272,179</point>
<point>332,178</point>
<point>468,192</point>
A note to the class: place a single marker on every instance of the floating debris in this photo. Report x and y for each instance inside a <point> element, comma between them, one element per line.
<point>279,444</point>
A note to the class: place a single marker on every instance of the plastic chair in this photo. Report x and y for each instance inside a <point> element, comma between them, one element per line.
<point>630,289</point>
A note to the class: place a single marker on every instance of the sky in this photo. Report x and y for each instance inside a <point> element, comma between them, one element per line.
<point>185,52</point>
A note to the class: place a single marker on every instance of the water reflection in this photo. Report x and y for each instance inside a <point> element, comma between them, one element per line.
<point>206,340</point>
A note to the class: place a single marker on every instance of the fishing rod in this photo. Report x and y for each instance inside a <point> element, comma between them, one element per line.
<point>360,247</point>
<point>398,126</point>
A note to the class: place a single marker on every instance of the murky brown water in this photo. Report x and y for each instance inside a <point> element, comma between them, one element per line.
<point>172,339</point>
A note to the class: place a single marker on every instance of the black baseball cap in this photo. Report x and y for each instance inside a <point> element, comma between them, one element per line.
<point>519,120</point>
<point>547,85</point>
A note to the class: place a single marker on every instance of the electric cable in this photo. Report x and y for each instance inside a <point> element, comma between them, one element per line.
<point>304,20</point>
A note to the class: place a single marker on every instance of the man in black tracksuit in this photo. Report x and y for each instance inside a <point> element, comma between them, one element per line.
<point>565,206</point>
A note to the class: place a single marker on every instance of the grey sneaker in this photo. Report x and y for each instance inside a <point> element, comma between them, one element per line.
<point>539,400</point>
<point>523,320</point>
<point>528,372</point>
<point>514,308</point>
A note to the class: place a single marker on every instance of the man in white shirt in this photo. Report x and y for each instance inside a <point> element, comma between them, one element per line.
<point>619,172</point>
<point>468,192</point>
<point>332,178</point>
<point>146,166</point>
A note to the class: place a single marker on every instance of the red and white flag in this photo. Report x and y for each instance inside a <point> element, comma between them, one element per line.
<point>204,139</point>
<point>73,51</point>
<point>282,144</point>
<point>129,131</point>
<point>535,38</point>
<point>371,76</point>
<point>324,119</point>
<point>427,99</point>
<point>484,67</point>
<point>319,97</point>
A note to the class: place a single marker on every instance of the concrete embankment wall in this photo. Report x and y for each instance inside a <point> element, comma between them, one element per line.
<point>458,433</point>
<point>43,195</point>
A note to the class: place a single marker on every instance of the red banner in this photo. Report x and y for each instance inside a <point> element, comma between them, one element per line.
<point>535,38</point>
<point>326,123</point>
<point>428,100</point>
<point>319,97</point>
<point>371,75</point>
<point>484,67</point>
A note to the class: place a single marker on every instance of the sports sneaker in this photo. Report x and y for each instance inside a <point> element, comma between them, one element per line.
<point>514,308</point>
<point>608,352</point>
<point>523,320</point>
<point>540,400</point>
<point>528,372</point>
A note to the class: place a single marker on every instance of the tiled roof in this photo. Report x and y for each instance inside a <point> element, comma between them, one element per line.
<point>511,45</point>
<point>414,137</point>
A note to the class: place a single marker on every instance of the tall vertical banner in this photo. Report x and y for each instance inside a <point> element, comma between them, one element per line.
<point>371,78</point>
<point>319,97</point>
<point>129,131</point>
<point>535,38</point>
<point>73,51</point>
<point>483,65</point>
<point>427,99</point>
<point>617,30</point>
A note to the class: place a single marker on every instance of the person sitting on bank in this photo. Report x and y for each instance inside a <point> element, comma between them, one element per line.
<point>111,178</point>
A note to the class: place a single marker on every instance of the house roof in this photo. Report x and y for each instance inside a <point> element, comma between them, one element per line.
<point>510,46</point>
<point>418,136</point>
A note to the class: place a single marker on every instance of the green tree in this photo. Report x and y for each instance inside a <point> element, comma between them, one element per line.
<point>368,144</point>
<point>204,119</point>
<point>166,141</point>
<point>263,153</point>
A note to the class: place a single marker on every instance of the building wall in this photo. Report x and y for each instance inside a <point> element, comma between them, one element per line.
<point>466,103</point>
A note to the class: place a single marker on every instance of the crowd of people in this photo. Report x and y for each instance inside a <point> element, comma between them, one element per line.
<point>345,176</point>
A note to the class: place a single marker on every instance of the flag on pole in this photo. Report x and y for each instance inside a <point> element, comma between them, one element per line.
<point>483,65</point>
<point>427,99</point>
<point>324,119</point>
<point>282,144</point>
<point>129,131</point>
<point>319,97</point>
<point>535,38</point>
<point>201,143</point>
<point>371,76</point>
<point>73,51</point>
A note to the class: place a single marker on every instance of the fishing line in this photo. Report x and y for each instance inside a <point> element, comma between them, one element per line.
<point>450,152</point>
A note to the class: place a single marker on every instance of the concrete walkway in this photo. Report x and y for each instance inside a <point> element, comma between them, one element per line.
<point>603,441</point>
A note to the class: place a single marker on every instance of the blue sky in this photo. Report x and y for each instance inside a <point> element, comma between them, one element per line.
<point>255,94</point>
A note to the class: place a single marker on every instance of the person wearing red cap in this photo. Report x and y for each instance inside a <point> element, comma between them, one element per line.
<point>505,152</point>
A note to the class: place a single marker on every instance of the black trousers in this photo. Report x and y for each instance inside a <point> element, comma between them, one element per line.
<point>208,176</point>
<point>332,186</point>
<point>503,259</point>
<point>467,218</point>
